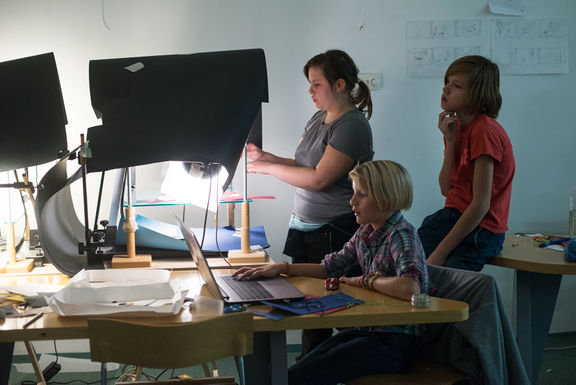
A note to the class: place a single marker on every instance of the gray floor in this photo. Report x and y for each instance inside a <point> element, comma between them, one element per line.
<point>558,366</point>
<point>226,367</point>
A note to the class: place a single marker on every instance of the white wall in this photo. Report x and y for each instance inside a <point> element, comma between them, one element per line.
<point>536,110</point>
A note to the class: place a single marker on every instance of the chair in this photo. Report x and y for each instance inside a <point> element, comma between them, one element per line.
<point>484,346</point>
<point>479,350</point>
<point>172,346</point>
<point>422,372</point>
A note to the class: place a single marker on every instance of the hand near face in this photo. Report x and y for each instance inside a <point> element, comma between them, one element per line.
<point>448,125</point>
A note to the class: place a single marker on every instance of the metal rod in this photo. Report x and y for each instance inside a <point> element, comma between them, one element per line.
<point>9,199</point>
<point>246,172</point>
<point>99,200</point>
<point>82,161</point>
<point>129,186</point>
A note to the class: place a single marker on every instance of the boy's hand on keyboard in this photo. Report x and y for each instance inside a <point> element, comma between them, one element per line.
<point>247,273</point>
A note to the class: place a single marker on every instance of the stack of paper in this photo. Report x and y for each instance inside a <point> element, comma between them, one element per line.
<point>97,292</point>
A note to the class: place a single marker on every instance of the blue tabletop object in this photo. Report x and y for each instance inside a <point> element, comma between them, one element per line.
<point>160,235</point>
<point>570,251</point>
<point>315,305</point>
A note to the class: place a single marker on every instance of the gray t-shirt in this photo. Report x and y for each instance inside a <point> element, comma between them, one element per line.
<point>350,134</point>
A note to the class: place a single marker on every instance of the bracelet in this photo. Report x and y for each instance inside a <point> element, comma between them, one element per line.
<point>287,268</point>
<point>369,281</point>
<point>366,280</point>
<point>374,277</point>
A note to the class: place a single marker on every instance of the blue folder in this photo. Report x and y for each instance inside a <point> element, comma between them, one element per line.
<point>318,304</point>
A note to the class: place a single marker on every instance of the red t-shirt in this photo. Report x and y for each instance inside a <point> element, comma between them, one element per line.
<point>483,136</point>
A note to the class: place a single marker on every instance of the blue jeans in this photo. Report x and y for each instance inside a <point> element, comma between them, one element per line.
<point>353,353</point>
<point>472,253</point>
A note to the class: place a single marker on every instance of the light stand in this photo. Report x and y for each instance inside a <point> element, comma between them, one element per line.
<point>246,254</point>
<point>13,265</point>
<point>90,246</point>
<point>130,259</point>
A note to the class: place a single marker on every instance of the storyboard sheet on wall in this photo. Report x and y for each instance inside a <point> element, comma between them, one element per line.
<point>433,45</point>
<point>518,46</point>
<point>530,46</point>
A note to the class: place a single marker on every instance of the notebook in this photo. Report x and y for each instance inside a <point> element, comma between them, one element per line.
<point>230,290</point>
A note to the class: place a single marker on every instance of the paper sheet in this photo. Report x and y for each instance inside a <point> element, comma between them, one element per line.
<point>508,7</point>
<point>32,289</point>
<point>119,291</point>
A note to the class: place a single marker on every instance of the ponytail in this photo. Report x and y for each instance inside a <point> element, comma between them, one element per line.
<point>362,98</point>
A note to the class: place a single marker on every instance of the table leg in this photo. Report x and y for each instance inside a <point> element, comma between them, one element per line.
<point>268,365</point>
<point>6,350</point>
<point>535,302</point>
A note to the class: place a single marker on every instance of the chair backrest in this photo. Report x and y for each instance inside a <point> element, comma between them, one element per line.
<point>485,340</point>
<point>170,346</point>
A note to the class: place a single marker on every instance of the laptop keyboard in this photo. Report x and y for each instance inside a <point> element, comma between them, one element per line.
<point>247,290</point>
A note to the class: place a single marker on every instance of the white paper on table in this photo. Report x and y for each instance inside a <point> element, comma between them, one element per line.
<point>120,285</point>
<point>32,289</point>
<point>97,292</point>
<point>555,247</point>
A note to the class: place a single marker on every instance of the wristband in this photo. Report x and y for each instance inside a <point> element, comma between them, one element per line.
<point>287,268</point>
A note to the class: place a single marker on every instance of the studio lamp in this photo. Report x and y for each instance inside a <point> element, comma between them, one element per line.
<point>33,129</point>
<point>198,108</point>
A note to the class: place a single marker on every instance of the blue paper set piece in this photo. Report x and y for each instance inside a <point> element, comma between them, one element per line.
<point>315,305</point>
<point>161,235</point>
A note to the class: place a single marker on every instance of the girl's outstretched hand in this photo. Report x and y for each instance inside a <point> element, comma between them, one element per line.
<point>254,152</point>
<point>248,273</point>
<point>448,125</point>
<point>258,167</point>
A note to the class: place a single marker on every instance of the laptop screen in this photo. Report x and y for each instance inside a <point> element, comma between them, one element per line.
<point>200,260</point>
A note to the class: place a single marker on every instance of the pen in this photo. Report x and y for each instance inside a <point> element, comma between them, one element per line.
<point>36,317</point>
<point>553,242</point>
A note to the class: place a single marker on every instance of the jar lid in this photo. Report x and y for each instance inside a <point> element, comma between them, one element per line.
<point>420,300</point>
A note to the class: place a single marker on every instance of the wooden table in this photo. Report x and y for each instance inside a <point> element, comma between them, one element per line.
<point>538,272</point>
<point>268,364</point>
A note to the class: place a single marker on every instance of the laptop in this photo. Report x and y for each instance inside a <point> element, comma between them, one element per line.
<point>230,290</point>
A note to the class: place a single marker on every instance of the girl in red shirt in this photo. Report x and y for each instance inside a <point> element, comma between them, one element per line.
<point>477,172</point>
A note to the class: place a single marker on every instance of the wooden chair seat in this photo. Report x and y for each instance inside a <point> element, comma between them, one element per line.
<point>422,373</point>
<point>172,346</point>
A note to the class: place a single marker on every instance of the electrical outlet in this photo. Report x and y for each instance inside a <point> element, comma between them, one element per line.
<point>374,81</point>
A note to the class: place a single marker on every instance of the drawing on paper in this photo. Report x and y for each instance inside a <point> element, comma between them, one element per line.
<point>530,46</point>
<point>518,46</point>
<point>432,45</point>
